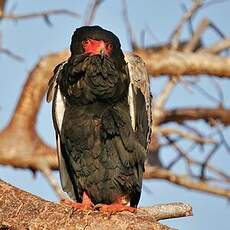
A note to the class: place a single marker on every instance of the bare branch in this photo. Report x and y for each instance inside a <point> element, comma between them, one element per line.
<point>174,38</point>
<point>185,181</point>
<point>167,211</point>
<point>208,95</point>
<point>21,210</point>
<point>44,168</point>
<point>224,141</point>
<point>199,139</point>
<point>189,46</point>
<point>165,93</point>
<point>11,54</point>
<point>128,25</point>
<point>43,14</point>
<point>205,163</point>
<point>91,11</point>
<point>217,47</point>
<point>180,63</point>
<point>190,161</point>
<point>195,39</point>
<point>179,115</point>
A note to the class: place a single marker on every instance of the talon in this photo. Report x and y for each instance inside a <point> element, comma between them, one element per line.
<point>97,206</point>
<point>86,204</point>
<point>113,208</point>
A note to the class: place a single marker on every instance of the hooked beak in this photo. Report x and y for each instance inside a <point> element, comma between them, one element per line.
<point>102,53</point>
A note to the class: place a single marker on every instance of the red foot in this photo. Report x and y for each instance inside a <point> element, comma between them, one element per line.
<point>113,208</point>
<point>86,204</point>
<point>118,206</point>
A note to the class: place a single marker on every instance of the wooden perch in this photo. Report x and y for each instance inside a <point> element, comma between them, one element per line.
<point>169,62</point>
<point>22,210</point>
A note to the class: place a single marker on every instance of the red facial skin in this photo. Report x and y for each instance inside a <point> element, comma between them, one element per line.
<point>97,47</point>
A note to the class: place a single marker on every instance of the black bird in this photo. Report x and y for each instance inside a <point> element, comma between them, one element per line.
<point>102,118</point>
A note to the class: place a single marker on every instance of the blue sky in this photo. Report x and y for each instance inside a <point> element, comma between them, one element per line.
<point>33,39</point>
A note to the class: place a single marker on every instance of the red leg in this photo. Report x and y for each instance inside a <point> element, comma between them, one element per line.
<point>117,206</point>
<point>86,204</point>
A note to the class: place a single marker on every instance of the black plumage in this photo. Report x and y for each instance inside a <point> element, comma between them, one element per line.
<point>102,144</point>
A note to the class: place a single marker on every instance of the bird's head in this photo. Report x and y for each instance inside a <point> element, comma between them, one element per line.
<point>94,40</point>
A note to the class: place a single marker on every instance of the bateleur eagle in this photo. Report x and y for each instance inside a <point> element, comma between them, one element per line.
<point>102,118</point>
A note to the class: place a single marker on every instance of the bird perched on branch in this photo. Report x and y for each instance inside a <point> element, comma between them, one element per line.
<point>102,118</point>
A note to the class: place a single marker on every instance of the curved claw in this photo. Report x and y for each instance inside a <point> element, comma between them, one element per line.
<point>86,204</point>
<point>114,208</point>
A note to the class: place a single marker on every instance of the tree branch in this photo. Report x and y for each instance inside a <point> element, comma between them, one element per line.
<point>186,135</point>
<point>217,47</point>
<point>207,114</point>
<point>22,210</point>
<point>185,181</point>
<point>179,63</point>
<point>39,14</point>
<point>174,39</point>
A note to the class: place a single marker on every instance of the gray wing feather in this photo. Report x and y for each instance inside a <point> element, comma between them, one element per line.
<point>139,80</point>
<point>58,109</point>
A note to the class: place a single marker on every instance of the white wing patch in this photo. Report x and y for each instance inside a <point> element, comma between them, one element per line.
<point>59,107</point>
<point>132,106</point>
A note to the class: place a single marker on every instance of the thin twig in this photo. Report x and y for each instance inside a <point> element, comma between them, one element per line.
<point>197,138</point>
<point>44,14</point>
<point>44,168</point>
<point>91,11</point>
<point>195,39</point>
<point>190,46</point>
<point>11,54</point>
<point>217,47</point>
<point>208,158</point>
<point>128,26</point>
<point>165,93</point>
<point>190,161</point>
<point>173,162</point>
<point>204,92</point>
<point>223,139</point>
<point>213,2</point>
<point>174,38</point>
<point>219,91</point>
<point>7,51</point>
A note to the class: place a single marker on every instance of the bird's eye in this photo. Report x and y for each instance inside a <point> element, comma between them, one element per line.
<point>109,46</point>
<point>85,42</point>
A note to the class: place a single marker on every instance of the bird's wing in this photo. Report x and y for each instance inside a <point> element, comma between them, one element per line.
<point>139,98</point>
<point>58,109</point>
